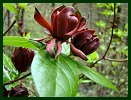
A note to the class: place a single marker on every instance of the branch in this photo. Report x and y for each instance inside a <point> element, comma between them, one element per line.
<point>113,26</point>
<point>11,82</point>
<point>116,60</point>
<point>9,27</point>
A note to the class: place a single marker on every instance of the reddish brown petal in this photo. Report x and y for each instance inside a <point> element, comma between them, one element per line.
<point>79,32</point>
<point>73,21</point>
<point>81,43</point>
<point>42,21</point>
<point>50,47</point>
<point>59,48</point>
<point>54,25</point>
<point>62,19</point>
<point>89,48</point>
<point>54,20</point>
<point>82,25</point>
<point>77,14</point>
<point>77,52</point>
<point>55,12</point>
<point>95,47</point>
<point>77,27</point>
<point>82,35</point>
<point>70,25</point>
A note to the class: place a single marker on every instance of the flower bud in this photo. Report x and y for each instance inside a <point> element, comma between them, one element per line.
<point>5,92</point>
<point>22,59</point>
<point>19,91</point>
<point>84,42</point>
<point>20,23</point>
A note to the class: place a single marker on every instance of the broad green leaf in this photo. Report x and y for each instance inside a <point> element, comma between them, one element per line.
<point>10,7</point>
<point>54,77</point>
<point>22,5</point>
<point>9,65</point>
<point>18,41</point>
<point>96,77</point>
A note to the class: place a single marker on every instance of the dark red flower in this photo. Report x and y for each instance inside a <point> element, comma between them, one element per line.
<point>22,59</point>
<point>65,21</point>
<point>20,23</point>
<point>19,91</point>
<point>84,42</point>
<point>5,92</point>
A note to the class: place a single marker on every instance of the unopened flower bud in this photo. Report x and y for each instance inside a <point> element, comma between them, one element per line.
<point>19,91</point>
<point>84,42</point>
<point>20,23</point>
<point>22,59</point>
<point>5,92</point>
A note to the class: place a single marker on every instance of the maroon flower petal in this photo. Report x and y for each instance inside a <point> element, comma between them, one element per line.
<point>91,47</point>
<point>55,12</point>
<point>42,21</point>
<point>77,27</point>
<point>59,48</point>
<point>79,32</point>
<point>50,47</point>
<point>81,43</point>
<point>62,18</point>
<point>82,35</point>
<point>54,24</point>
<point>96,46</point>
<point>72,23</point>
<point>77,14</point>
<point>77,52</point>
<point>54,18</point>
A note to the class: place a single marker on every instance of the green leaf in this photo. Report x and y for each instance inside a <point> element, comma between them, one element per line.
<point>96,77</point>
<point>6,76</point>
<point>22,5</point>
<point>54,77</point>
<point>126,26</point>
<point>9,65</point>
<point>85,81</point>
<point>93,57</point>
<point>18,41</point>
<point>119,33</point>
<point>10,7</point>
<point>101,24</point>
<point>65,48</point>
<point>107,12</point>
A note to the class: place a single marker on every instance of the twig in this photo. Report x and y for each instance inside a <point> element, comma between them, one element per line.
<point>11,82</point>
<point>113,26</point>
<point>9,27</point>
<point>116,60</point>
